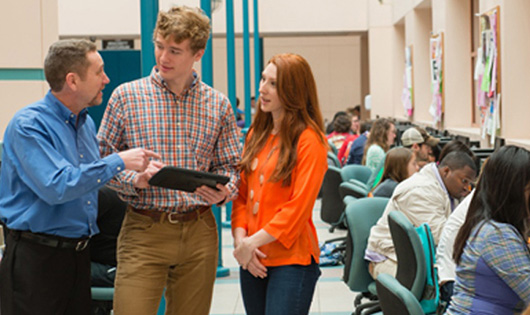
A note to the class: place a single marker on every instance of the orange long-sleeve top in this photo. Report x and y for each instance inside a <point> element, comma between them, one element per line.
<point>283,212</point>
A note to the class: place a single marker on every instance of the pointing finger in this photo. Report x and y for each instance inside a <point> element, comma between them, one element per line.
<point>152,154</point>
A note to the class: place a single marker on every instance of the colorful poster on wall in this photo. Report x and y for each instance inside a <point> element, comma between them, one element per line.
<point>487,75</point>
<point>436,61</point>
<point>407,96</point>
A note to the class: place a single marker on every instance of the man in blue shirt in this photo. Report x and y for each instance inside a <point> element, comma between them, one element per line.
<point>50,175</point>
<point>357,148</point>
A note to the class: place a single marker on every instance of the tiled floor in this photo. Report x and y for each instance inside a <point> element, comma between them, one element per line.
<point>332,296</point>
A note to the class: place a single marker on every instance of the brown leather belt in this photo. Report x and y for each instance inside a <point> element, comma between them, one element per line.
<point>173,217</point>
<point>52,240</point>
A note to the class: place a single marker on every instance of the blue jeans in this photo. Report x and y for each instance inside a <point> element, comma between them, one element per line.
<point>286,290</point>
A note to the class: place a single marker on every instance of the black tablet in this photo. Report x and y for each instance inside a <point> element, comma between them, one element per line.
<point>184,179</point>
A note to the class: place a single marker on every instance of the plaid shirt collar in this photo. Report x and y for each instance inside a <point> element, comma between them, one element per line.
<point>159,81</point>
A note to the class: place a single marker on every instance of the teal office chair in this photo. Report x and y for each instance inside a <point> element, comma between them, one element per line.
<point>333,160</point>
<point>332,206</point>
<point>360,187</point>
<point>361,215</point>
<point>354,179</point>
<point>334,149</point>
<point>353,189</point>
<point>394,298</point>
<point>412,267</point>
<point>358,172</point>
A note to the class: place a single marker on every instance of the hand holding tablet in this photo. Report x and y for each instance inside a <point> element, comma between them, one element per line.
<point>177,178</point>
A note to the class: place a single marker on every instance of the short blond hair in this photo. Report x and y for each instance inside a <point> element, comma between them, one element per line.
<point>182,22</point>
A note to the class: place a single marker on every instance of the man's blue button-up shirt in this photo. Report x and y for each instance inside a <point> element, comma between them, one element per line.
<point>51,171</point>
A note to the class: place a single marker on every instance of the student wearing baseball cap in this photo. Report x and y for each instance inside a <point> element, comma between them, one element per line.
<point>419,141</point>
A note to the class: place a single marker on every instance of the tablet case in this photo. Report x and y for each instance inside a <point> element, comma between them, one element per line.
<point>184,179</point>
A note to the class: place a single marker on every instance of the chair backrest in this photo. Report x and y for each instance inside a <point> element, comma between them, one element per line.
<point>334,149</point>
<point>352,189</point>
<point>332,206</point>
<point>412,268</point>
<point>353,171</point>
<point>394,298</point>
<point>361,215</point>
<point>333,160</point>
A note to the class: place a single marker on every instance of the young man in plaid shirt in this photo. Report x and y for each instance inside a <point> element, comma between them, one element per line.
<point>169,238</point>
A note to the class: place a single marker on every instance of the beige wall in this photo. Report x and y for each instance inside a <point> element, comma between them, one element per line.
<point>457,63</point>
<point>381,57</point>
<point>27,28</point>
<point>418,27</point>
<point>413,21</point>
<point>220,69</point>
<point>122,17</point>
<point>398,63</point>
<point>515,66</point>
<point>335,62</point>
<point>381,60</point>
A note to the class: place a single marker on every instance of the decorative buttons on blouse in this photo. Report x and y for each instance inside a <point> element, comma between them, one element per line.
<point>88,202</point>
<point>256,208</point>
<point>254,164</point>
<point>118,168</point>
<point>261,179</point>
<point>99,180</point>
<point>251,194</point>
<point>81,155</point>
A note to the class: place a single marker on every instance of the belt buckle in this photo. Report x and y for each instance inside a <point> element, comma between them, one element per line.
<point>81,245</point>
<point>169,218</point>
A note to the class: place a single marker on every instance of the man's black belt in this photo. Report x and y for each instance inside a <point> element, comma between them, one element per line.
<point>51,240</point>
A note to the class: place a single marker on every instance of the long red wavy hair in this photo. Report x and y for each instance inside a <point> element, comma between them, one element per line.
<point>297,91</point>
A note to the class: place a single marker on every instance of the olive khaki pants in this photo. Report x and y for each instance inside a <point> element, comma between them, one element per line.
<point>180,257</point>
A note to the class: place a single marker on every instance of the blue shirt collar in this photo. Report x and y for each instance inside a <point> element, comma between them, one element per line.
<point>64,112</point>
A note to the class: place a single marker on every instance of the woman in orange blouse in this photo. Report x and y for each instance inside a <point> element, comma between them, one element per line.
<point>283,165</point>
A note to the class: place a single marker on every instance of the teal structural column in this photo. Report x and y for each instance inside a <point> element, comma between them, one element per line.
<point>231,54</point>
<point>207,77</point>
<point>148,14</point>
<point>257,51</point>
<point>207,58</point>
<point>221,271</point>
<point>246,61</point>
<point>231,76</point>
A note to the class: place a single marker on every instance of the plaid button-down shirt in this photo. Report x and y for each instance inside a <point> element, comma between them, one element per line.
<point>195,130</point>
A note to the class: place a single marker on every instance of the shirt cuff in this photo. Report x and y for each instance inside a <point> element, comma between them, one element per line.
<point>127,184</point>
<point>115,163</point>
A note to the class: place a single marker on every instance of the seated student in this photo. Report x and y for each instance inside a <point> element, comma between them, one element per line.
<point>420,143</point>
<point>491,250</point>
<point>455,145</point>
<point>444,251</point>
<point>400,164</point>
<point>111,211</point>
<point>330,127</point>
<point>381,138</point>
<point>341,130</point>
<point>355,132</point>
<point>429,196</point>
<point>357,147</point>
